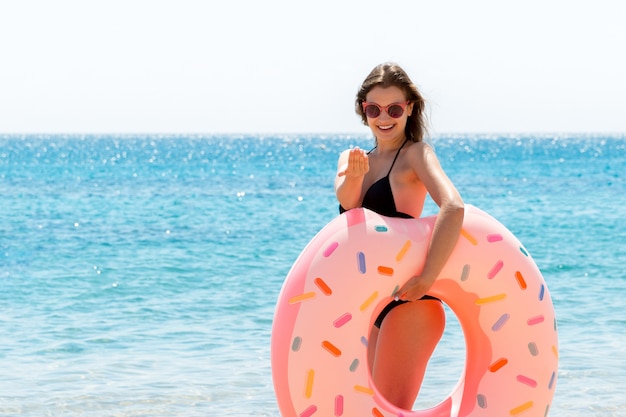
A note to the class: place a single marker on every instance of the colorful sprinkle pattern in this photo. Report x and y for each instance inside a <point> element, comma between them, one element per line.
<point>347,274</point>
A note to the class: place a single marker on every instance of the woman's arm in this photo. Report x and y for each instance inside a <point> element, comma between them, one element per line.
<point>351,169</point>
<point>447,225</point>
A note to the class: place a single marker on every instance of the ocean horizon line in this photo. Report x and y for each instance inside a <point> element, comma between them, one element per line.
<point>242,135</point>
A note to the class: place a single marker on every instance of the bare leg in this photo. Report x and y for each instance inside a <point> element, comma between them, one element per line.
<point>407,338</point>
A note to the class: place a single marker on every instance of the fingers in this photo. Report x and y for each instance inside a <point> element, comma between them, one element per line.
<point>403,291</point>
<point>358,163</point>
<point>412,290</point>
<point>400,296</point>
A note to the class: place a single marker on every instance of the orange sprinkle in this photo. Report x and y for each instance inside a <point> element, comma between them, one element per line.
<point>555,351</point>
<point>334,350</point>
<point>498,364</point>
<point>491,299</point>
<point>403,251</point>
<point>301,297</point>
<point>385,270</point>
<point>323,286</point>
<point>369,301</point>
<point>364,390</point>
<point>377,413</point>
<point>308,389</point>
<point>520,280</point>
<point>521,408</point>
<point>469,237</point>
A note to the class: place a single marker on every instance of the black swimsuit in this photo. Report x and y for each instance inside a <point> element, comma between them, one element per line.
<point>379,199</point>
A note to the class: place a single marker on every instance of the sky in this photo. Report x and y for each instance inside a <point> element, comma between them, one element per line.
<point>288,66</point>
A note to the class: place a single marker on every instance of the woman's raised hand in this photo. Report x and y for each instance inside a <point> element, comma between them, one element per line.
<point>358,164</point>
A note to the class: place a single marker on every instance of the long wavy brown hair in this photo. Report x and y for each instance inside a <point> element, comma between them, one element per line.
<point>388,75</point>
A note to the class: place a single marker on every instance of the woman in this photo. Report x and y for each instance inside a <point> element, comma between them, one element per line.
<point>392,179</point>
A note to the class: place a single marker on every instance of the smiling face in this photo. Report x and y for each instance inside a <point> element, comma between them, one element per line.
<point>385,128</point>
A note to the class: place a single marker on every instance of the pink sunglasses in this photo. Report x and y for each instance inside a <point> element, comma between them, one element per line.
<point>394,110</point>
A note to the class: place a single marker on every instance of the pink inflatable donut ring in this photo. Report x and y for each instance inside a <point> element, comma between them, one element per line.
<point>349,272</point>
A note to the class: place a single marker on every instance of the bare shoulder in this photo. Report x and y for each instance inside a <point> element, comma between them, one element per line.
<point>342,162</point>
<point>421,153</point>
<point>344,156</point>
<point>344,153</point>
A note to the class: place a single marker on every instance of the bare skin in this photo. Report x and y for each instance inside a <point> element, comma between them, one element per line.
<point>399,352</point>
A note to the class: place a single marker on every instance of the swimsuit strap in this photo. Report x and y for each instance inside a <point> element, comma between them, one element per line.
<point>396,157</point>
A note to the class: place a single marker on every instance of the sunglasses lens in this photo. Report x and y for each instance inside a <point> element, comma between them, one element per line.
<point>395,111</point>
<point>372,111</point>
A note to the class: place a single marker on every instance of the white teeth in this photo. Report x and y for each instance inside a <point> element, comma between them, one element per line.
<point>385,127</point>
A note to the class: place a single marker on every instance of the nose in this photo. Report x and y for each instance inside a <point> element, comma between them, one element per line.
<point>384,115</point>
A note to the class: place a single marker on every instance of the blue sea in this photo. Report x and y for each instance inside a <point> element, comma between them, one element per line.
<point>138,274</point>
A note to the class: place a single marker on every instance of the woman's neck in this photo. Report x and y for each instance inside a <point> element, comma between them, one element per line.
<point>390,145</point>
